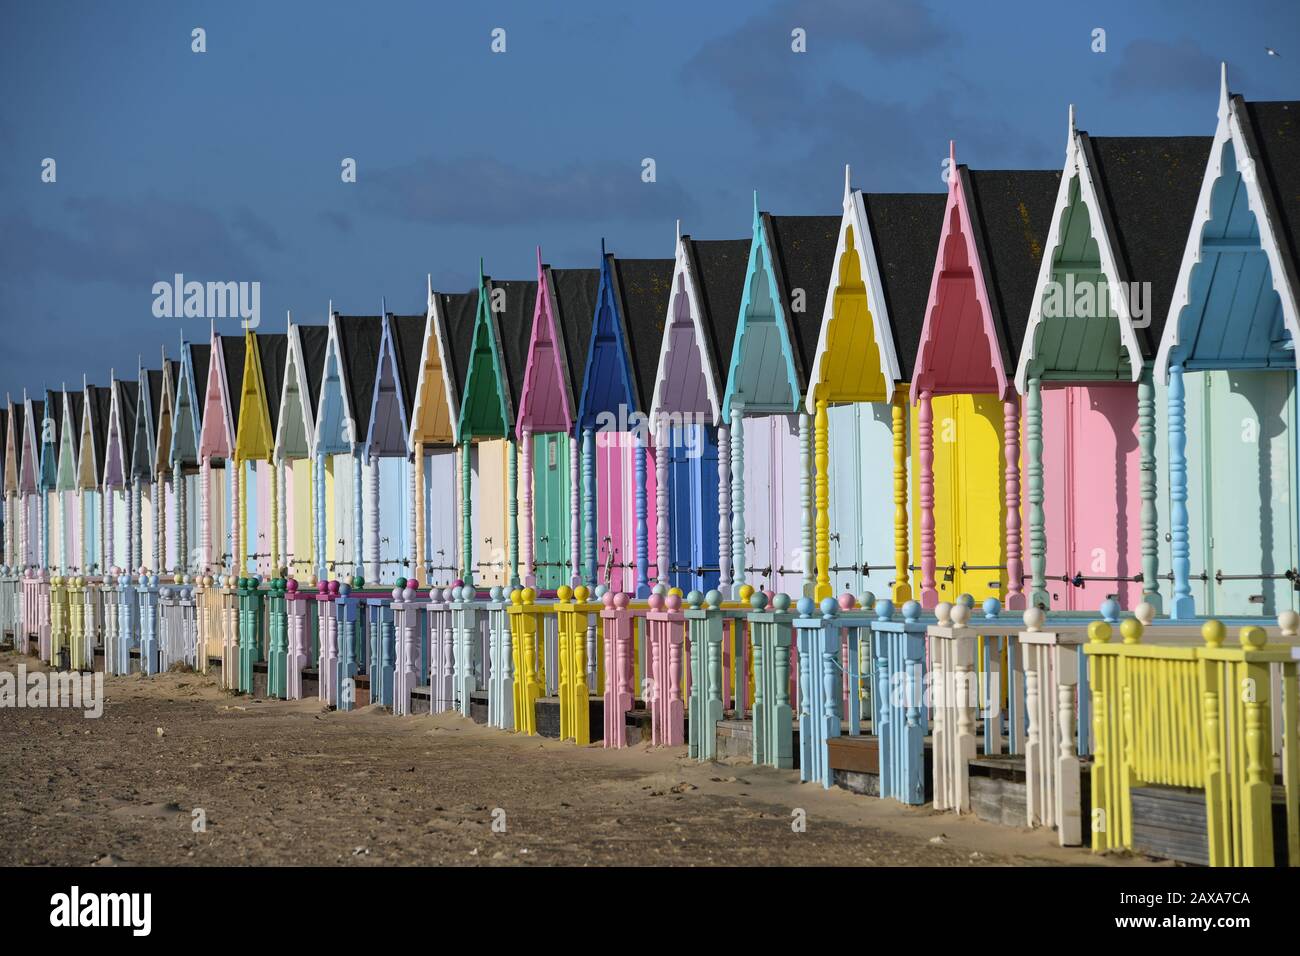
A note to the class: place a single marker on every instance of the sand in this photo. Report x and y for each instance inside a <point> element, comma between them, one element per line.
<point>276,782</point>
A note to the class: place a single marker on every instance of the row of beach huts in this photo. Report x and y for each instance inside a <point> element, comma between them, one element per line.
<point>774,490</point>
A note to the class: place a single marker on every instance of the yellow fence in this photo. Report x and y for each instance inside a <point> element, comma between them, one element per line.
<point>1199,717</point>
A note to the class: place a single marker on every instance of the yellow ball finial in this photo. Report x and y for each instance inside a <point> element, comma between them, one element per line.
<point>1098,632</point>
<point>1214,633</point>
<point>746,592</point>
<point>1131,628</point>
<point>530,595</point>
<point>677,591</point>
<point>564,593</point>
<point>1252,637</point>
<point>581,594</point>
<point>517,597</point>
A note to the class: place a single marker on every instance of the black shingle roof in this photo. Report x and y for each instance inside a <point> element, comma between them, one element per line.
<point>359,338</point>
<point>905,230</point>
<point>314,340</point>
<point>200,357</point>
<point>514,325</point>
<point>232,354</point>
<point>720,266</point>
<point>1275,133</point>
<point>804,247</point>
<point>1011,213</point>
<point>1149,186</point>
<point>408,345</point>
<point>575,304</point>
<point>459,310</point>
<point>128,397</point>
<point>644,287</point>
<point>273,350</point>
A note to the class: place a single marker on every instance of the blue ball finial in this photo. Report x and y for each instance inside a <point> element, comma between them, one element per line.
<point>912,611</point>
<point>781,602</point>
<point>694,599</point>
<point>884,610</point>
<point>1110,610</point>
<point>714,598</point>
<point>805,606</point>
<point>830,607</point>
<point>967,600</point>
<point>992,607</point>
<point>868,600</point>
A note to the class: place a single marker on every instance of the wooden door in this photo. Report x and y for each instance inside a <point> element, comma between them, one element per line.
<point>550,510</point>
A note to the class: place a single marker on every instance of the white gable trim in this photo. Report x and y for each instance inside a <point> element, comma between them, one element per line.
<point>690,288</point>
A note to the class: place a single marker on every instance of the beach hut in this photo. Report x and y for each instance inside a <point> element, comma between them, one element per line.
<point>189,476</point>
<point>65,482</point>
<point>96,407</point>
<point>1117,233</point>
<point>218,505</point>
<point>445,549</point>
<point>295,436</point>
<point>115,475</point>
<point>142,490</point>
<point>1228,354</point>
<point>390,514</point>
<point>342,422</point>
<point>692,450</point>
<point>11,510</point>
<point>258,494</point>
<point>548,408</point>
<point>618,468</point>
<point>858,390</point>
<point>29,483</point>
<point>967,412</point>
<point>786,281</point>
<point>494,375</point>
<point>162,492</point>
<point>50,435</point>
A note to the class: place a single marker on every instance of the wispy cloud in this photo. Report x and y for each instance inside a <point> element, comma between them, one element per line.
<point>1148,67</point>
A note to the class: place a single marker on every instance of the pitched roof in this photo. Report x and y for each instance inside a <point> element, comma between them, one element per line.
<point>154,382</point>
<point>130,397</point>
<point>359,338</point>
<point>77,401</point>
<point>459,310</point>
<point>719,266</point>
<point>575,306</point>
<point>514,325</point>
<point>54,402</point>
<point>1148,188</point>
<point>905,230</point>
<point>1011,213</point>
<point>1275,132</point>
<point>408,344</point>
<point>644,287</point>
<point>200,356</point>
<point>232,354</point>
<point>804,249</point>
<point>314,339</point>
<point>272,349</point>
<point>100,403</point>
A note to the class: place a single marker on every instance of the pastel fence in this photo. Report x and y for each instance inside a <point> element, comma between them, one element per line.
<point>896,674</point>
<point>407,649</point>
<point>117,652</point>
<point>382,648</point>
<point>277,638</point>
<point>1200,717</point>
<point>350,628</point>
<point>84,611</point>
<point>207,620</point>
<point>11,605</point>
<point>817,637</point>
<point>298,622</point>
<point>704,633</point>
<point>501,663</point>
<point>617,623</point>
<point>60,621</point>
<point>771,635</point>
<point>35,616</point>
<point>527,628</point>
<point>139,612</point>
<point>579,629</point>
<point>442,666</point>
<point>176,621</point>
<point>470,650</point>
<point>230,619</point>
<point>327,664</point>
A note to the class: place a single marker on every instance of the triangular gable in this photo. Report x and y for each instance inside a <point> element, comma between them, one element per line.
<point>708,285</point>
<point>485,402</point>
<point>389,403</point>
<point>11,449</point>
<point>187,414</point>
<point>1235,300</point>
<point>217,431</point>
<point>142,440</point>
<point>69,439</point>
<point>1121,216</point>
<point>545,402</point>
<point>643,289</point>
<point>94,413</point>
<point>165,416</point>
<point>295,434</point>
<point>607,382</point>
<point>351,357</point>
<point>872,318</point>
<point>995,227</point>
<point>121,433</point>
<point>48,427</point>
<point>29,479</point>
<point>435,401</point>
<point>255,431</point>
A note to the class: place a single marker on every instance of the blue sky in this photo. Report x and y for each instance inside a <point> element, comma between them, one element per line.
<point>225,165</point>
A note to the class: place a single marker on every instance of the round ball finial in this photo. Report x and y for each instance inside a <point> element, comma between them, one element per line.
<point>1034,618</point>
<point>912,611</point>
<point>1288,622</point>
<point>758,600</point>
<point>1146,613</point>
<point>601,590</point>
<point>1131,630</point>
<point>517,597</point>
<point>607,599</point>
<point>847,601</point>
<point>829,607</point>
<point>713,598</point>
<point>656,601</point>
<point>581,594</point>
<point>943,612</point>
<point>781,602</point>
<point>291,585</point>
<point>659,589</point>
<point>564,593</point>
<point>401,584</point>
<point>805,606</point>
<point>884,610</point>
<point>408,594</point>
<point>966,599</point>
<point>334,587</point>
<point>1214,633</point>
<point>673,602</point>
<point>745,592</point>
<point>694,599</point>
<point>497,592</point>
<point>458,583</point>
<point>1110,610</point>
<point>397,594</point>
<point>960,614</point>
<point>322,587</point>
<point>620,600</point>
<point>992,607</point>
<point>1099,632</point>
<point>868,600</point>
<point>344,589</point>
<point>1252,637</point>
<point>358,582</point>
<point>677,591</point>
<point>530,595</point>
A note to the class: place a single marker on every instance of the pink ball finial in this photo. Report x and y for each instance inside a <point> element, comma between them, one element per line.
<point>620,600</point>
<point>673,601</point>
<point>334,587</point>
<point>458,583</point>
<point>323,587</point>
<point>608,599</point>
<point>847,601</point>
<point>291,585</point>
<point>656,602</point>
<point>412,584</point>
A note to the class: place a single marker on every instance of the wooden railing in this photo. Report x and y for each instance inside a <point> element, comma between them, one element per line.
<point>1199,717</point>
